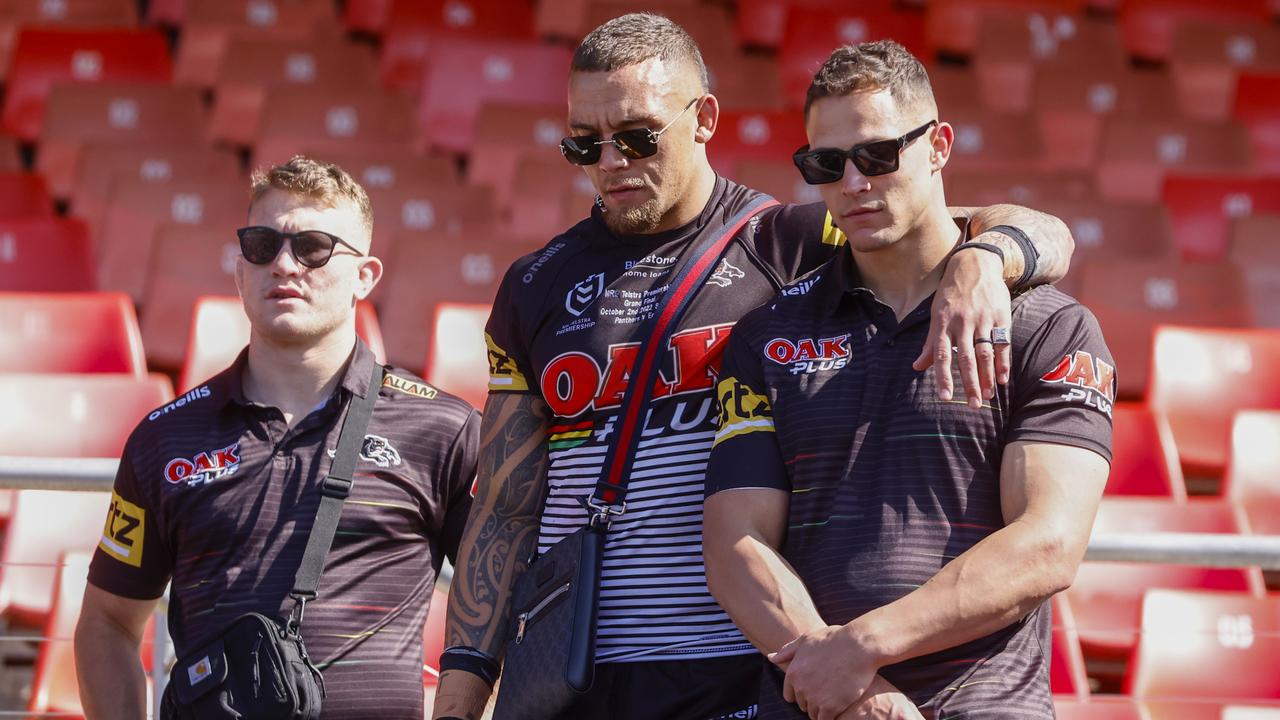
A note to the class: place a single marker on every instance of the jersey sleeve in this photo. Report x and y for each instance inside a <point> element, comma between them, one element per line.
<point>132,559</point>
<point>746,452</point>
<point>1065,384</point>
<point>509,365</point>
<point>795,239</point>
<point>459,477</point>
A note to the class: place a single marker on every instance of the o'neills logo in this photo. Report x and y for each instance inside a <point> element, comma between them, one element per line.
<point>808,355</point>
<point>542,260</point>
<point>194,395</point>
<point>1089,380</point>
<point>204,467</point>
<point>573,382</point>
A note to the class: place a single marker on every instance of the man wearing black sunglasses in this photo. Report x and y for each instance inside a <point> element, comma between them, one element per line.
<point>563,340</point>
<point>218,492</point>
<point>856,528</point>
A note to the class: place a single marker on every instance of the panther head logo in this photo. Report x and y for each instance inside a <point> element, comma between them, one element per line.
<point>377,450</point>
<point>725,274</point>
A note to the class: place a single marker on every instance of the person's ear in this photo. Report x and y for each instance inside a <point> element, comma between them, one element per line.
<point>708,118</point>
<point>942,139</point>
<point>370,272</point>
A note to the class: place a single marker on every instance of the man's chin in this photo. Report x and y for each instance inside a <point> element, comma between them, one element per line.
<point>637,220</point>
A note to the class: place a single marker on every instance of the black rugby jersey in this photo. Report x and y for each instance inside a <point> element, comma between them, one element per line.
<point>218,494</point>
<point>887,483</point>
<point>566,325</point>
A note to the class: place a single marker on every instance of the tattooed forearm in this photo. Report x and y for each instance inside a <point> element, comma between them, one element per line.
<point>1050,235</point>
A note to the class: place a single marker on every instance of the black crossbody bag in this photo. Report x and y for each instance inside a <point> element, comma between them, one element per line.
<point>550,656</point>
<point>257,668</point>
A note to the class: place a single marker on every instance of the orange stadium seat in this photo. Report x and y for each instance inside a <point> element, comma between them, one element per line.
<point>1257,107</point>
<point>255,67</point>
<point>1255,250</point>
<point>349,121</point>
<point>1149,26</point>
<point>113,114</point>
<point>1066,661</point>
<point>464,73</point>
<point>953,25</point>
<point>1130,297</point>
<point>1102,230</point>
<point>754,135</point>
<point>1202,208</point>
<point>812,33</point>
<point>504,134</point>
<point>43,57</point>
<point>414,25</point>
<point>138,207</point>
<point>208,26</point>
<point>24,195</point>
<point>46,255</point>
<point>1136,154</point>
<point>16,14</point>
<point>75,415</point>
<point>1214,646</point>
<point>44,525</point>
<point>458,358</point>
<point>1252,479</point>
<point>186,262</point>
<point>1105,595</point>
<point>1144,456</point>
<point>988,187</point>
<point>1200,377</point>
<point>69,333</point>
<point>1207,57</point>
<point>1096,708</point>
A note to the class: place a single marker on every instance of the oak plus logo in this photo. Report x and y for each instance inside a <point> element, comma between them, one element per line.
<point>582,295</point>
<point>807,355</point>
<point>1088,380</point>
<point>205,467</point>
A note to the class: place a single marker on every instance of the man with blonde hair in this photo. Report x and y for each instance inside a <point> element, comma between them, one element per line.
<point>220,494</point>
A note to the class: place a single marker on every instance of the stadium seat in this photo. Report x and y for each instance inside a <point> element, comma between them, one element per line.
<point>43,57</point>
<point>1096,708</point>
<point>1102,230</point>
<point>1144,456</point>
<point>458,358</point>
<point>75,415</point>
<point>69,333</point>
<point>16,14</point>
<point>464,73</point>
<point>1200,377</point>
<point>255,67</point>
<point>9,154</point>
<point>953,25</point>
<point>754,135</point>
<point>220,330</point>
<point>777,178</point>
<point>113,114</point>
<point>1066,661</point>
<point>1202,208</point>
<point>1105,595</point>
<point>209,25</point>
<point>1207,57</point>
<point>1033,188</point>
<point>1257,107</point>
<point>413,25</point>
<point>46,255</point>
<point>138,207</point>
<point>406,210</point>
<point>1209,645</point>
<point>388,169</point>
<point>1149,26</point>
<point>44,525</point>
<point>350,121</point>
<point>762,23</point>
<point>24,195</point>
<point>1252,479</point>
<point>745,82</point>
<point>1137,154</point>
<point>995,142</point>
<point>1130,297</point>
<point>186,262</point>
<point>548,196</point>
<point>366,16</point>
<point>1255,250</point>
<point>504,134</point>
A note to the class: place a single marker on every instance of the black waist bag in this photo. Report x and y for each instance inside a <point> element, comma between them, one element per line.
<point>255,670</point>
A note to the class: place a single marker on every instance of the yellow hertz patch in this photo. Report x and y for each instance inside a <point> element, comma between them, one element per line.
<point>742,410</point>
<point>504,374</point>
<point>124,531</point>
<point>831,235</point>
<point>408,387</point>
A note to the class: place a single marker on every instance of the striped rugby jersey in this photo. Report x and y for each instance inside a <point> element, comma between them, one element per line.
<point>566,326</point>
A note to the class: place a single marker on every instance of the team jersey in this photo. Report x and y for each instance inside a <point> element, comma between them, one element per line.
<point>887,483</point>
<point>218,494</point>
<point>566,326</point>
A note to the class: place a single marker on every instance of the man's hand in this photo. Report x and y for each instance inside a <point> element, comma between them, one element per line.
<point>971,299</point>
<point>827,670</point>
<point>883,701</point>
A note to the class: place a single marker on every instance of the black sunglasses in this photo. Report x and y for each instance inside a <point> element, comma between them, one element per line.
<point>311,248</point>
<point>634,144</point>
<point>826,165</point>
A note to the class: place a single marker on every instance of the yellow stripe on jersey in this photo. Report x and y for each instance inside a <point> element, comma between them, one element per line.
<point>742,410</point>
<point>504,374</point>
<point>831,235</point>
<point>123,533</point>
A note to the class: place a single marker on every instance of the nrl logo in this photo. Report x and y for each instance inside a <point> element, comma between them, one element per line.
<point>583,294</point>
<point>377,450</point>
<point>725,274</point>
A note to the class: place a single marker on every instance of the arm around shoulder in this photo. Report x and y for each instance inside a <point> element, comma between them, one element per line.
<point>1037,250</point>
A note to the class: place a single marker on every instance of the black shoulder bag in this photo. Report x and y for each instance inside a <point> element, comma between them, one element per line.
<point>257,668</point>
<point>550,657</point>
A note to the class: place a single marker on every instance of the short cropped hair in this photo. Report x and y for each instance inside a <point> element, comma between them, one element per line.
<point>634,38</point>
<point>320,181</point>
<point>872,67</point>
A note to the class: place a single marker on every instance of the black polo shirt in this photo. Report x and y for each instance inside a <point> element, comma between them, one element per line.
<point>887,483</point>
<point>219,495</point>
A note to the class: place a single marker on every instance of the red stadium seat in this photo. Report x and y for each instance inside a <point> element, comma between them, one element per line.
<point>186,262</point>
<point>995,142</point>
<point>1149,26</point>
<point>505,134</point>
<point>24,195</point>
<point>1137,154</point>
<point>1066,661</point>
<point>416,209</point>
<point>1207,57</point>
<point>1102,230</point>
<point>209,25</point>
<point>762,23</point>
<point>388,170</point>
<point>351,121</point>
<point>953,25</point>
<point>777,178</point>
<point>255,67</point>
<point>1096,708</point>
<point>745,82</point>
<point>1252,479</point>
<point>1034,188</point>
<point>1144,456</point>
<point>75,415</point>
<point>1255,250</point>
<point>1215,646</point>
<point>9,154</point>
<point>462,74</point>
<point>16,14</point>
<point>1203,206</point>
<point>414,25</point>
<point>1130,297</point>
<point>43,57</point>
<point>1105,595</point>
<point>367,16</point>
<point>755,135</point>
<point>46,255</point>
<point>1200,377</point>
<point>458,358</point>
<point>69,333</point>
<point>1257,107</point>
<point>549,196</point>
<point>113,114</point>
<point>45,524</point>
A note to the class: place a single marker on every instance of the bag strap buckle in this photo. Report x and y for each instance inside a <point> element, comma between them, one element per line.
<point>602,515</point>
<point>299,609</point>
<point>336,487</point>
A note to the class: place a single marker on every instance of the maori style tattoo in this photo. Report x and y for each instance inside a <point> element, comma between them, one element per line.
<point>1051,237</point>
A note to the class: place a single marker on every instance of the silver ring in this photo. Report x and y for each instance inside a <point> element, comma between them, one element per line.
<point>1000,336</point>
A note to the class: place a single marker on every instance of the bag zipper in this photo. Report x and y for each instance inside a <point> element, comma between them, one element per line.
<point>523,618</point>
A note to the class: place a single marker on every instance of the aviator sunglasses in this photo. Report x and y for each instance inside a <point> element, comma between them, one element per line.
<point>634,144</point>
<point>826,165</point>
<point>311,248</point>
